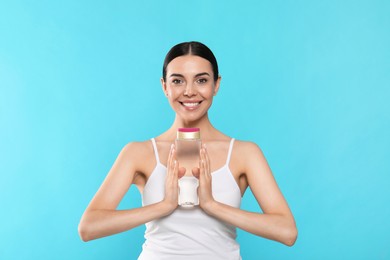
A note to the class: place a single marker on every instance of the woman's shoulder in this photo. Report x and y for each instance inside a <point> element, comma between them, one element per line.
<point>246,149</point>
<point>137,149</point>
<point>245,145</point>
<point>247,157</point>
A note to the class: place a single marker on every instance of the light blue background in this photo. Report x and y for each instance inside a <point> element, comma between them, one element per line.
<point>309,81</point>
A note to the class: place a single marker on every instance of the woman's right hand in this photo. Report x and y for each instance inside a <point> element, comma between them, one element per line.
<point>171,181</point>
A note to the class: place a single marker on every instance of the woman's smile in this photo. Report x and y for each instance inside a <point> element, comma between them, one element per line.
<point>190,105</point>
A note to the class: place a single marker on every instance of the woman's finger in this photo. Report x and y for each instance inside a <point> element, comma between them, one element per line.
<point>175,171</point>
<point>201,163</point>
<point>171,160</point>
<point>204,165</point>
<point>207,162</point>
<point>175,168</point>
<point>170,157</point>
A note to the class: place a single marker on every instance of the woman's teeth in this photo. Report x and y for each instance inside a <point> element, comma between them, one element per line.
<point>191,104</point>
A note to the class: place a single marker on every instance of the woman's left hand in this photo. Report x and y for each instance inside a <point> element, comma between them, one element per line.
<point>203,173</point>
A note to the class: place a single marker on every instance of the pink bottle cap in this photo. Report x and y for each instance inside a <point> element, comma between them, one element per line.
<point>188,133</point>
<point>189,130</point>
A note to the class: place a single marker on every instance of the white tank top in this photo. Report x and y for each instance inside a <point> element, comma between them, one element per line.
<point>191,233</point>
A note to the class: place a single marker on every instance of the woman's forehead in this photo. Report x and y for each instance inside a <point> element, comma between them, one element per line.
<point>189,64</point>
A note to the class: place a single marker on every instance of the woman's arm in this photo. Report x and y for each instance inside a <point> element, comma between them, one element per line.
<point>101,217</point>
<point>276,223</point>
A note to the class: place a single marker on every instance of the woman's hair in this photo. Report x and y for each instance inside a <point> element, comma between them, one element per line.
<point>191,48</point>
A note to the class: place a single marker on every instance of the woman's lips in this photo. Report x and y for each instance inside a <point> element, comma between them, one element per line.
<point>191,105</point>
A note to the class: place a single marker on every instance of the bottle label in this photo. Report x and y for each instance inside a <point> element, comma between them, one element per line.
<point>188,191</point>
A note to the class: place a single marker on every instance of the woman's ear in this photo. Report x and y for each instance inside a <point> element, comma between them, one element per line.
<point>164,86</point>
<point>217,83</point>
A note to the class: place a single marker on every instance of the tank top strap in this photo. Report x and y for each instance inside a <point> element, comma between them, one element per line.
<point>155,150</point>
<point>230,151</point>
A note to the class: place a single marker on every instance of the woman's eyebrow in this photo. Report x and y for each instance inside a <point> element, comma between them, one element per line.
<point>197,75</point>
<point>176,75</point>
<point>202,74</point>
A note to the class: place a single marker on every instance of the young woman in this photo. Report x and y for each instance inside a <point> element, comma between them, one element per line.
<point>227,167</point>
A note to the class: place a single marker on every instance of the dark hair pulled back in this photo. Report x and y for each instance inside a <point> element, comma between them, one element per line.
<point>191,48</point>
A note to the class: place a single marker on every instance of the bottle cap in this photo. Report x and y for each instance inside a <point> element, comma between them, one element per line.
<point>188,133</point>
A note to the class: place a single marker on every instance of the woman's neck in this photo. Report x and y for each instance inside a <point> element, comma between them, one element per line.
<point>206,128</point>
<point>202,122</point>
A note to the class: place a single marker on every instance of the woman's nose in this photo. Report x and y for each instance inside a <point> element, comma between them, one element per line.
<point>190,90</point>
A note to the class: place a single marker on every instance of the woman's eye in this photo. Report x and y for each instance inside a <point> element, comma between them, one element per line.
<point>177,81</point>
<point>202,81</point>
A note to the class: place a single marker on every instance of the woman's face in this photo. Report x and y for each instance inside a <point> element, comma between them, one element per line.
<point>190,86</point>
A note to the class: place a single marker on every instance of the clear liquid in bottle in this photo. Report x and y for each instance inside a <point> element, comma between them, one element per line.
<point>188,145</point>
